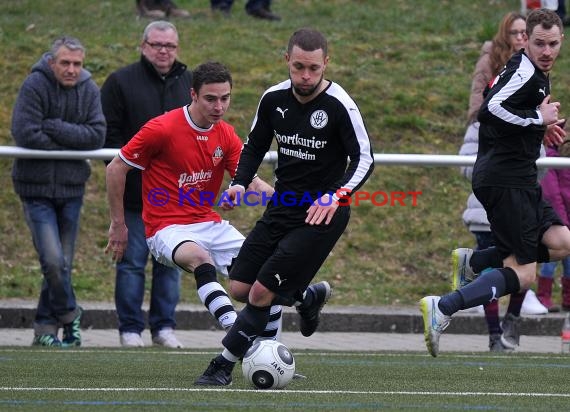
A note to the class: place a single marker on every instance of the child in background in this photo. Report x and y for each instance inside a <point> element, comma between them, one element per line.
<point>556,190</point>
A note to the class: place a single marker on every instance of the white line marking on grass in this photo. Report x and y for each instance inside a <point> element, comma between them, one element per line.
<point>287,391</point>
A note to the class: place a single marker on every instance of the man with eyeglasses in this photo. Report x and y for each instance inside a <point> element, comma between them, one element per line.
<point>131,96</point>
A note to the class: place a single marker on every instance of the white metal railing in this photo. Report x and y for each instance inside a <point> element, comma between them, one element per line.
<point>271,157</point>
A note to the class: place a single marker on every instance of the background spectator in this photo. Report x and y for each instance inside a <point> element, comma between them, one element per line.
<point>131,96</point>
<point>556,190</point>
<point>58,108</point>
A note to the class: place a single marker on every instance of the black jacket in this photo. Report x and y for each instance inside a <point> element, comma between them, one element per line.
<point>133,95</point>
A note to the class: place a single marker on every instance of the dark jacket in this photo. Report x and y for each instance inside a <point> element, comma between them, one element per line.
<point>133,95</point>
<point>512,129</point>
<point>48,116</point>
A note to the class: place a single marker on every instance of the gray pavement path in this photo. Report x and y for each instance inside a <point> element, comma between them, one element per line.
<point>342,328</point>
<point>339,341</point>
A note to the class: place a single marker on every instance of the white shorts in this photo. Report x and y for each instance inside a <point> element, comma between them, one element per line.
<point>221,240</point>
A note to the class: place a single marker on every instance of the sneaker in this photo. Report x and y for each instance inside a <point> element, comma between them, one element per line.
<point>143,10</point>
<point>218,373</point>
<point>495,344</point>
<point>435,323</point>
<point>72,331</point>
<point>461,272</point>
<point>131,340</point>
<point>264,13</point>
<point>46,340</point>
<point>166,338</point>
<point>532,306</point>
<point>511,334</point>
<point>176,12</point>
<point>310,315</point>
<point>152,14</point>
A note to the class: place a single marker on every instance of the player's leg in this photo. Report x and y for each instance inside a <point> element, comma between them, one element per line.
<point>512,213</point>
<point>255,316</point>
<point>248,326</point>
<point>212,294</point>
<point>185,247</point>
<point>557,239</point>
<point>297,259</point>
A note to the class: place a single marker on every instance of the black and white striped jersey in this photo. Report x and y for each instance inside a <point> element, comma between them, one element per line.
<point>512,129</point>
<point>322,145</point>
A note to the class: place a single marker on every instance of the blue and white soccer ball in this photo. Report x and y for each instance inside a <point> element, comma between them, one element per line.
<point>268,364</point>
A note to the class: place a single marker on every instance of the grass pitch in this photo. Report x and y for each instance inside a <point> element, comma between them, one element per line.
<point>150,380</point>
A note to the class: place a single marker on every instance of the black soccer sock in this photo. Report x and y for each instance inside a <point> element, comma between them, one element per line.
<point>486,288</point>
<point>214,296</point>
<point>249,324</point>
<point>485,258</point>
<point>273,328</point>
<point>450,303</point>
<point>490,286</point>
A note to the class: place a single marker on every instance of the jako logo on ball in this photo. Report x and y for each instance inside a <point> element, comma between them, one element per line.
<point>268,364</point>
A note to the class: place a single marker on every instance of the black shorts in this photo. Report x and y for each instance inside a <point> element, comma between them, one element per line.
<point>519,218</point>
<point>284,253</point>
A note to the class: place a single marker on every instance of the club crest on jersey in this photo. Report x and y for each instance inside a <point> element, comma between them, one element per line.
<point>319,119</point>
<point>218,155</point>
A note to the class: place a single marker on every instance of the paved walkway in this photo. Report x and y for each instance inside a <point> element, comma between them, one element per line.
<point>342,328</point>
<point>339,341</point>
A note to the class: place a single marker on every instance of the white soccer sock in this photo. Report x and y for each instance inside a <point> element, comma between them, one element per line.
<point>218,303</point>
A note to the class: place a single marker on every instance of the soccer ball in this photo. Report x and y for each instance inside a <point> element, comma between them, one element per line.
<point>268,364</point>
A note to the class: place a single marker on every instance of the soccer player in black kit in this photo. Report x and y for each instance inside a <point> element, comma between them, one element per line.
<point>324,154</point>
<point>514,116</point>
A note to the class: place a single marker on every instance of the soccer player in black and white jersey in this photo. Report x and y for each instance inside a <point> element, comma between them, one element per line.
<point>324,154</point>
<point>514,116</point>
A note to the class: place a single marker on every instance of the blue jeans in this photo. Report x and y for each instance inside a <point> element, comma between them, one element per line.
<point>130,279</point>
<point>484,240</point>
<point>54,224</point>
<point>547,269</point>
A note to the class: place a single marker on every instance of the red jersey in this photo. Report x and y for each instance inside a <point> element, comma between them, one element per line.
<point>182,168</point>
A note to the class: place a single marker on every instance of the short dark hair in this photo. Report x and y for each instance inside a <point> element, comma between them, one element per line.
<point>308,40</point>
<point>210,72</point>
<point>543,17</point>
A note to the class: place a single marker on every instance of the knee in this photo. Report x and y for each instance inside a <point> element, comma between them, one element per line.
<point>260,296</point>
<point>189,256</point>
<point>53,267</point>
<point>526,278</point>
<point>239,291</point>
